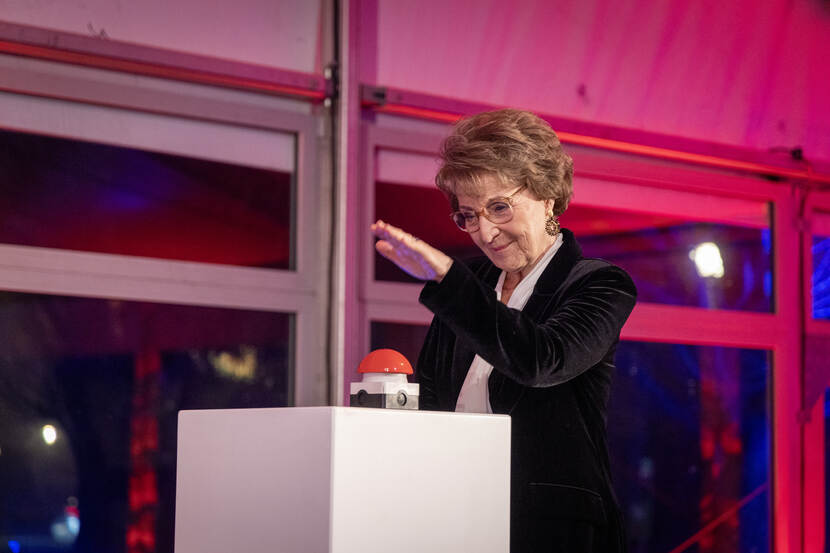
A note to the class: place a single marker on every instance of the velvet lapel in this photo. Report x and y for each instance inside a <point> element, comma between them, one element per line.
<point>505,393</point>
<point>553,276</point>
<point>462,356</point>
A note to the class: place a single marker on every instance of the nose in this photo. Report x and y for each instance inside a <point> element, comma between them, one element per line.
<point>488,229</point>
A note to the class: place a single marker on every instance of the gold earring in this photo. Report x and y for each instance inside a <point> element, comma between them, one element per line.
<point>552,225</point>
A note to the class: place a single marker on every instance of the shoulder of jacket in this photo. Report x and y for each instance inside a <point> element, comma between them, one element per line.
<point>588,265</point>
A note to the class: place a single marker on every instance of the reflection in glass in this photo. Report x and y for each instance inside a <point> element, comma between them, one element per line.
<point>679,262</point>
<point>75,195</point>
<point>708,260</point>
<point>689,431</point>
<point>672,260</point>
<point>50,434</point>
<point>404,338</point>
<point>109,377</point>
<point>425,213</point>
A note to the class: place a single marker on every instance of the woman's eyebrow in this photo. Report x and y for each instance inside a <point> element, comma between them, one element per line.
<point>497,198</point>
<point>465,206</point>
<point>486,202</point>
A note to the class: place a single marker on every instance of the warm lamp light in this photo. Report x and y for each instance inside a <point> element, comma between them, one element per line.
<point>50,434</point>
<point>708,260</point>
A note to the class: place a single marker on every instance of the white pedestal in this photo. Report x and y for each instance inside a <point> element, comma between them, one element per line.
<point>342,480</point>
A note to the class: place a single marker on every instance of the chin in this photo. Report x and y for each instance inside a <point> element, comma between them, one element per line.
<point>508,265</point>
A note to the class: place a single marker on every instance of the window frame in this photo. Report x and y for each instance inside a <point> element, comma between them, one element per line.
<point>63,272</point>
<point>776,331</point>
<point>816,205</point>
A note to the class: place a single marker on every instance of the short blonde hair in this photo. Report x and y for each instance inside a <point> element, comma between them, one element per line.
<point>517,146</point>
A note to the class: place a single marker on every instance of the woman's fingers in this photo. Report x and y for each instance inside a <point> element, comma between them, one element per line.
<point>408,252</point>
<point>386,231</point>
<point>385,249</point>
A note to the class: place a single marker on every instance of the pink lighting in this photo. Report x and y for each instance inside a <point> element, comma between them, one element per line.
<point>807,174</point>
<point>270,81</point>
<point>689,122</point>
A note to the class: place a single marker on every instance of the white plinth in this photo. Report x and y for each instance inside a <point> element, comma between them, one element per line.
<point>342,480</point>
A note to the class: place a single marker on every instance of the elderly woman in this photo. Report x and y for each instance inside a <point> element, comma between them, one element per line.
<point>530,330</point>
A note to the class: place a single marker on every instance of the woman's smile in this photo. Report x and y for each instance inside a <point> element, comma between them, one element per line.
<point>499,248</point>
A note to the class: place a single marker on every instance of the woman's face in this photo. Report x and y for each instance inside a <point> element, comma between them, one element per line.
<point>514,246</point>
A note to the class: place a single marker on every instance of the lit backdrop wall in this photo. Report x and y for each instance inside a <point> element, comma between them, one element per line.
<point>184,225</point>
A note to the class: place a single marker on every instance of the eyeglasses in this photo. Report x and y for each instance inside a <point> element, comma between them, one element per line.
<point>498,211</point>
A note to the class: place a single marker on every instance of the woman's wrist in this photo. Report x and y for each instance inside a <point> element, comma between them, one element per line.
<point>443,268</point>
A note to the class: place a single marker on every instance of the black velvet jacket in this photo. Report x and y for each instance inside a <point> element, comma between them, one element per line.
<point>552,367</point>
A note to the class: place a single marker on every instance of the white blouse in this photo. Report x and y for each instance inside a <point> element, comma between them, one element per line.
<point>475,395</point>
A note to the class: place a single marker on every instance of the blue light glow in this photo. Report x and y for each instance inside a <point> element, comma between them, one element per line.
<point>14,546</point>
<point>766,240</point>
<point>73,524</point>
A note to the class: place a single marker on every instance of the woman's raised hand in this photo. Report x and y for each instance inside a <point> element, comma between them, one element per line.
<point>412,255</point>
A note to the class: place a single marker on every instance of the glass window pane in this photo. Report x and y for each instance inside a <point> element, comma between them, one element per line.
<point>680,262</point>
<point>89,395</point>
<point>672,260</point>
<point>689,435</point>
<point>689,432</point>
<point>404,338</point>
<point>76,195</point>
<point>425,213</point>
